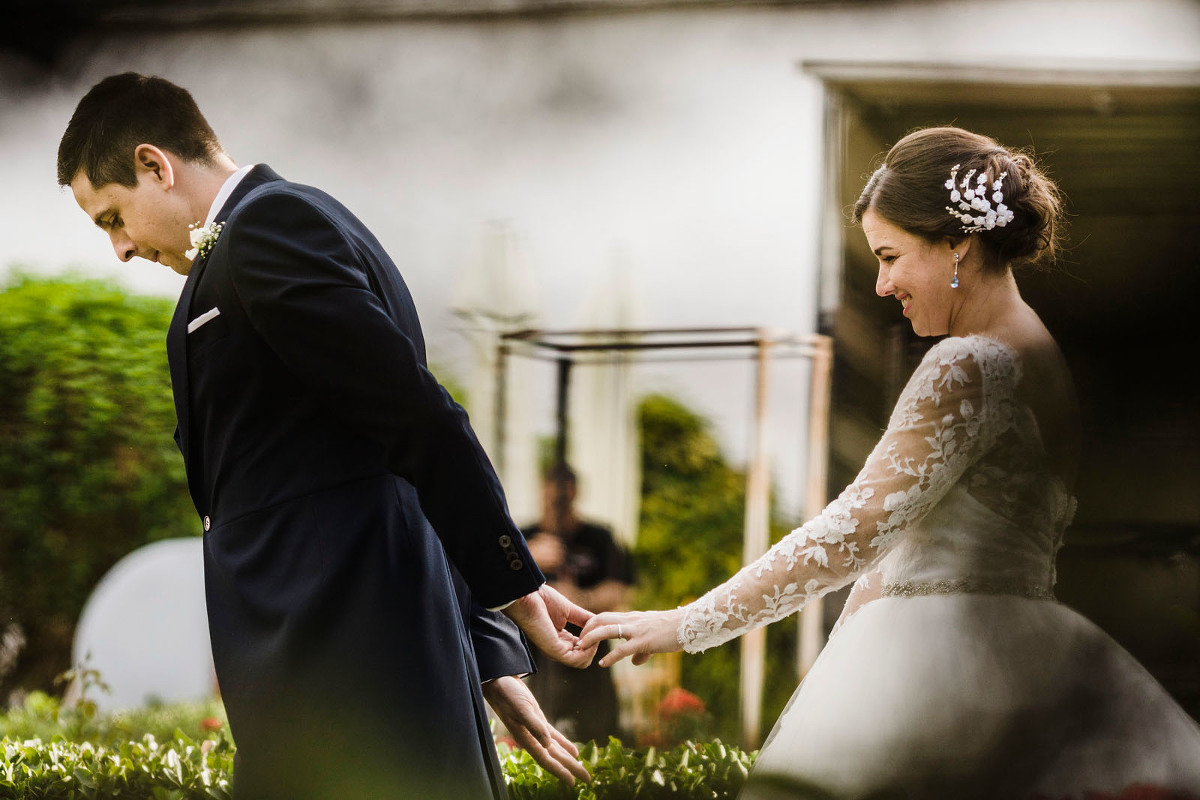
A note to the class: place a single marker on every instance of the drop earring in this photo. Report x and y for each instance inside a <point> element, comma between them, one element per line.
<point>954,280</point>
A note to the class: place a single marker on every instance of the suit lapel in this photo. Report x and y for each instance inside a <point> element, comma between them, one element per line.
<point>177,331</point>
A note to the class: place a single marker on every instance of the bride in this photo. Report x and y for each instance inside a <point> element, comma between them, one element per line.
<point>952,672</point>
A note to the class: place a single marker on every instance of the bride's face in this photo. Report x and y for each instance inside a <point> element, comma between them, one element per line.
<point>915,271</point>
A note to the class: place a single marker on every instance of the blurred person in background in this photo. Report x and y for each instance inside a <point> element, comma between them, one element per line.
<point>584,562</point>
<point>952,672</point>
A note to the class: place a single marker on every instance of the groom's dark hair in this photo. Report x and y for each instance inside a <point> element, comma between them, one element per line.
<point>123,111</point>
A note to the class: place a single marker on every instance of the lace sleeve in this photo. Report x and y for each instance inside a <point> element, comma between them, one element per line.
<point>939,427</point>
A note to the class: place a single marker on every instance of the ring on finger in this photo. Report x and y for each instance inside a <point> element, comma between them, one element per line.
<point>619,634</point>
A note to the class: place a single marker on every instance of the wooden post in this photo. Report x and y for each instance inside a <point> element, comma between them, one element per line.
<point>756,540</point>
<point>812,617</point>
<point>500,403</point>
<point>562,399</point>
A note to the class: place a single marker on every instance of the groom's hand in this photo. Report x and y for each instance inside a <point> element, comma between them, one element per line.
<point>516,707</point>
<point>543,616</point>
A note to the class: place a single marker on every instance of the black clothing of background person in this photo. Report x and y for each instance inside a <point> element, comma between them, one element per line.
<point>583,704</point>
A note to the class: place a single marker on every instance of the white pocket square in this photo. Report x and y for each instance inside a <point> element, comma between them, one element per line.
<point>211,314</point>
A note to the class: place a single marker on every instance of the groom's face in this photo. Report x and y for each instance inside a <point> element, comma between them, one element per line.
<point>141,221</point>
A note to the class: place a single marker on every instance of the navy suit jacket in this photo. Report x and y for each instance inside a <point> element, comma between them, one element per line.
<point>354,528</point>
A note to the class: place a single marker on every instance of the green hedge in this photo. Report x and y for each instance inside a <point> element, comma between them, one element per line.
<point>145,770</point>
<point>186,769</point>
<point>713,771</point>
<point>44,717</point>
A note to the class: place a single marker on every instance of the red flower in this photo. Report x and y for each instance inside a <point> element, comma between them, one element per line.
<point>680,701</point>
<point>652,739</point>
<point>210,724</point>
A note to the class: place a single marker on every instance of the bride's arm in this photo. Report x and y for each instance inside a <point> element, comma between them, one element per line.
<point>936,431</point>
<point>939,427</point>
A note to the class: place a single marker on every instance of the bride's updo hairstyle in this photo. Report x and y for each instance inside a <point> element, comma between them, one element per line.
<point>910,191</point>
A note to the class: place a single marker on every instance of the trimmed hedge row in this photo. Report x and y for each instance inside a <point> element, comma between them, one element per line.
<point>712,771</point>
<point>184,769</point>
<point>44,717</point>
<point>65,770</point>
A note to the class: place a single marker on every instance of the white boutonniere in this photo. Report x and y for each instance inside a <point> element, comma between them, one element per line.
<point>204,238</point>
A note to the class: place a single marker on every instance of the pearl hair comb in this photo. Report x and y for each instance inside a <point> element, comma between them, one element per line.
<point>975,210</point>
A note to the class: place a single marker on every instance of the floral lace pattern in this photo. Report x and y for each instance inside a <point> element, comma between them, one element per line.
<point>958,402</point>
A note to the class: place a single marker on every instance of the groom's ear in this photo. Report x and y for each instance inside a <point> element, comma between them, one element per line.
<point>153,162</point>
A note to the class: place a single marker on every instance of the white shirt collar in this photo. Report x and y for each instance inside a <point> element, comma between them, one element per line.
<point>226,189</point>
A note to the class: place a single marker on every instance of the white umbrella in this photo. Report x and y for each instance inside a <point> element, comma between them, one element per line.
<point>145,630</point>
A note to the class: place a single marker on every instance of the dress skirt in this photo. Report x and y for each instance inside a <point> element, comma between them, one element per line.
<point>975,696</point>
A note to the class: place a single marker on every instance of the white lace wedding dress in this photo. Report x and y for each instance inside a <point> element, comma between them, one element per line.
<point>953,672</point>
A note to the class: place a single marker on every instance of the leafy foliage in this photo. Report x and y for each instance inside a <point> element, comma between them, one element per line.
<point>713,771</point>
<point>42,716</point>
<point>690,536</point>
<point>690,540</point>
<point>61,769</point>
<point>181,768</point>
<point>88,470</point>
<point>53,751</point>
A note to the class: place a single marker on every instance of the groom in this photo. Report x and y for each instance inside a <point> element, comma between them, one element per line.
<point>355,534</point>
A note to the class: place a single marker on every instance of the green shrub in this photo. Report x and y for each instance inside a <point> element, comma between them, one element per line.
<point>183,769</point>
<point>183,751</point>
<point>690,771</point>
<point>42,716</point>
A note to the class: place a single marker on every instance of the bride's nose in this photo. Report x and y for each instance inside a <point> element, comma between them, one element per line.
<point>883,282</point>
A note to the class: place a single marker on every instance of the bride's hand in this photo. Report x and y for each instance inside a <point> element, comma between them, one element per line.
<point>642,633</point>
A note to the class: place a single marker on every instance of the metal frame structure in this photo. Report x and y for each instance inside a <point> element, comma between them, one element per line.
<point>566,348</point>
